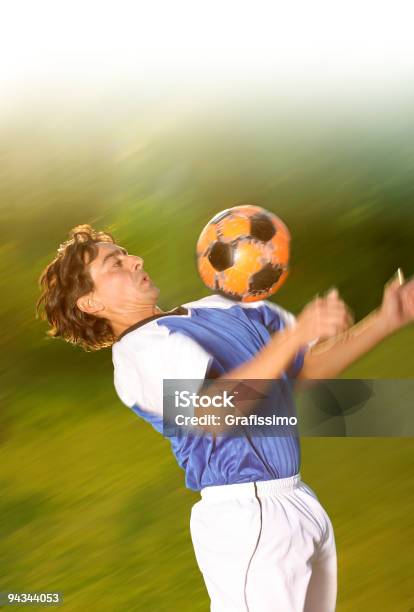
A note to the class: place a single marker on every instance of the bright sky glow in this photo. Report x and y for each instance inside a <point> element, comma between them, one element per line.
<point>90,43</point>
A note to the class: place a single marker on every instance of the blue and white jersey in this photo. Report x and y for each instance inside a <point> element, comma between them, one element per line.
<point>205,339</point>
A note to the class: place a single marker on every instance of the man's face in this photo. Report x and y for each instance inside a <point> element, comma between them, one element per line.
<point>121,284</point>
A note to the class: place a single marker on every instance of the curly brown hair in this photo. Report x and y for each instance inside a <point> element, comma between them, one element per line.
<point>66,279</point>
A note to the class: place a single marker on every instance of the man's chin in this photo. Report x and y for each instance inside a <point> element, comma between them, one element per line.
<point>148,286</point>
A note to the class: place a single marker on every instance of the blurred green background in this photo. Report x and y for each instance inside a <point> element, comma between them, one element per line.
<point>93,504</point>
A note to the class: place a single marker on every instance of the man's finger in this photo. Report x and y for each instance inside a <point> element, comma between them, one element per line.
<point>335,307</point>
<point>351,319</point>
<point>333,293</point>
<point>392,285</point>
<point>408,288</point>
<point>397,279</point>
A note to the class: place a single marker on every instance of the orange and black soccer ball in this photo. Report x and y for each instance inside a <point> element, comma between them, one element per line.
<point>243,253</point>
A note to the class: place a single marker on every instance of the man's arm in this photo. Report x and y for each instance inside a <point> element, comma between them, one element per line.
<point>330,358</point>
<point>323,317</point>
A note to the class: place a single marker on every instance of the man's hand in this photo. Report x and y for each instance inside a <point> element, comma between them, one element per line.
<point>324,318</point>
<point>397,307</point>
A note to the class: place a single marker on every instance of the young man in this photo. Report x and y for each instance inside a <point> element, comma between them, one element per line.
<point>262,540</point>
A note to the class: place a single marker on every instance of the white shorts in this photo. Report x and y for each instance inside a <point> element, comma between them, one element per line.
<point>265,547</point>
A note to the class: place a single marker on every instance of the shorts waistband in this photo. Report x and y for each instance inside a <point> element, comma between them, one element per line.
<point>251,489</point>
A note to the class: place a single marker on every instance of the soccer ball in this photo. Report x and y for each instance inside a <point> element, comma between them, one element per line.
<point>243,253</point>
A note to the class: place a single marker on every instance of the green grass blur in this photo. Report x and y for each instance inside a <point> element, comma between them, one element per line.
<point>93,503</point>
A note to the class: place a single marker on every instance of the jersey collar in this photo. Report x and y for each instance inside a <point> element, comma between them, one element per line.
<point>180,310</point>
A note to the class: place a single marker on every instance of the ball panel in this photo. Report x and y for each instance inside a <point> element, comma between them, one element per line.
<point>262,227</point>
<point>281,228</point>
<point>233,296</point>
<point>206,271</point>
<point>265,278</point>
<point>262,295</point>
<point>280,251</point>
<point>221,255</point>
<point>207,237</point>
<point>249,256</point>
<point>233,226</point>
<point>234,281</point>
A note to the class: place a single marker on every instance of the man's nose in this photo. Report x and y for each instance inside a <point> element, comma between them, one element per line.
<point>138,262</point>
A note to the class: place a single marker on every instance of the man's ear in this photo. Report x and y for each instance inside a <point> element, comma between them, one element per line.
<point>87,304</point>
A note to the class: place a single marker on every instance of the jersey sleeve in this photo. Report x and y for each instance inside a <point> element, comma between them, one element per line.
<point>139,375</point>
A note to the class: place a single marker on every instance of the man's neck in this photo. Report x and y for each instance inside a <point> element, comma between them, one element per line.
<point>118,327</point>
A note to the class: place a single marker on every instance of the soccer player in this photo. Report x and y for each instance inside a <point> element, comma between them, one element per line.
<point>262,539</point>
